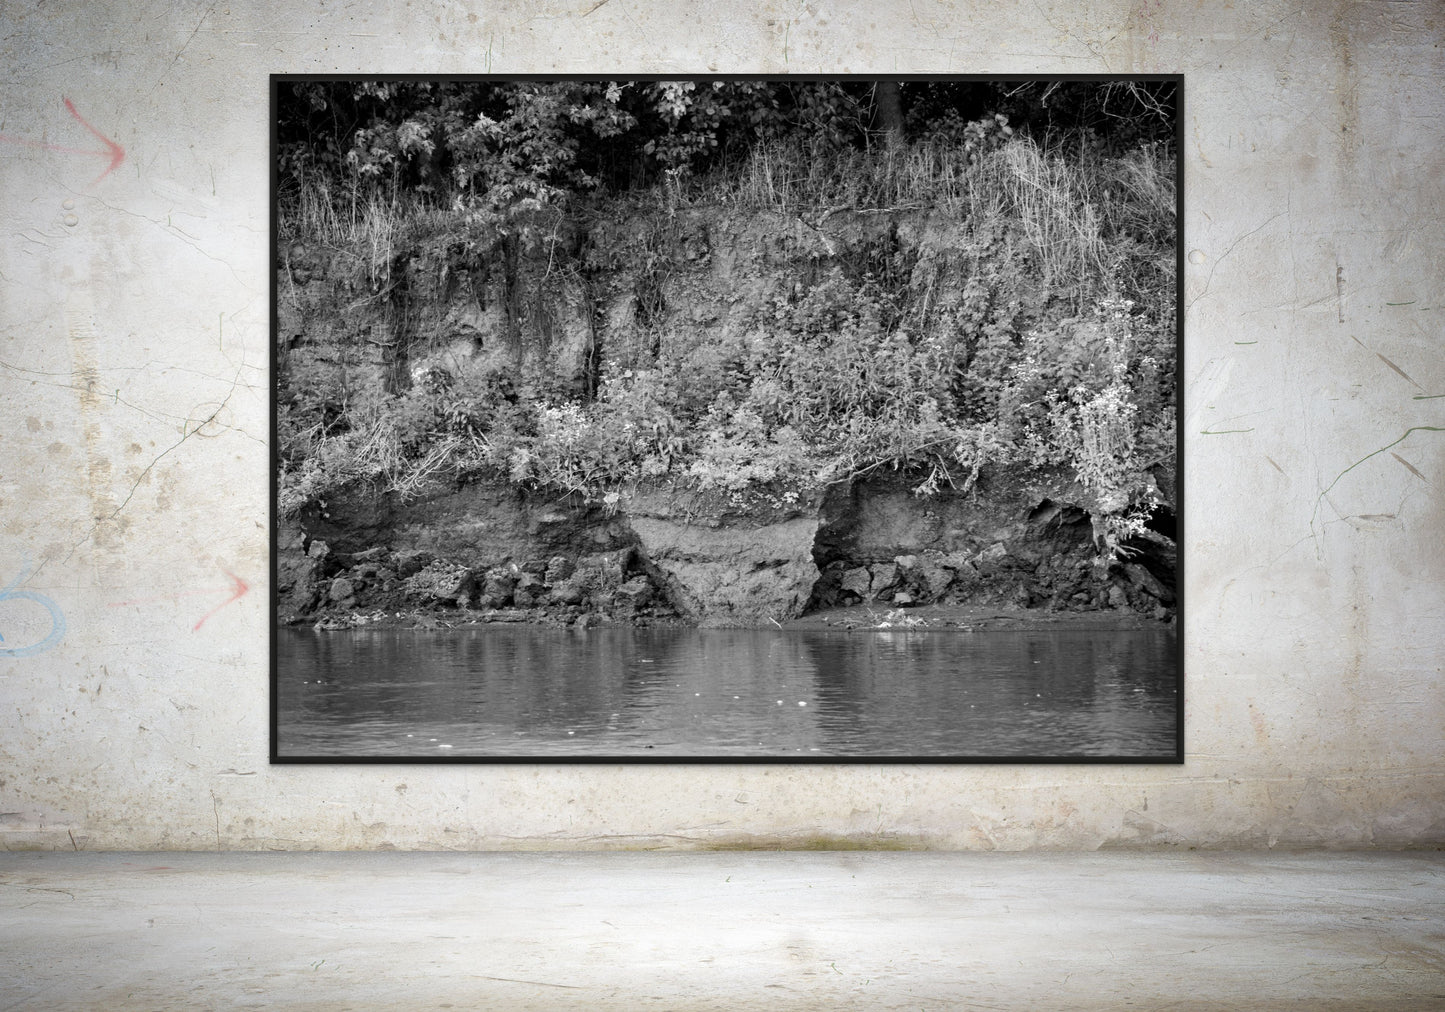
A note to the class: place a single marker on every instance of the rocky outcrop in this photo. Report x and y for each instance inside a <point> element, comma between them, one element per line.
<point>728,561</point>
<point>299,568</point>
<point>441,581</point>
<point>1018,537</point>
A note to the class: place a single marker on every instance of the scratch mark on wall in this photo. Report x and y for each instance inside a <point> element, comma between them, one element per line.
<point>1375,453</point>
<point>184,45</point>
<point>1410,467</point>
<point>1230,249</point>
<point>1340,291</point>
<point>187,433</point>
<point>534,983</point>
<point>116,399</point>
<point>1274,465</point>
<point>1402,372</point>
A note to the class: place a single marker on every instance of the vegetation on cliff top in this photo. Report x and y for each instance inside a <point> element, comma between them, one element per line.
<point>855,370</point>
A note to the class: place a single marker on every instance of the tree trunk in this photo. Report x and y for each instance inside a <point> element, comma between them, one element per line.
<point>890,112</point>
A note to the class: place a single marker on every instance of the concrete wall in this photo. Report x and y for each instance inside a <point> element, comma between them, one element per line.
<point>134,465</point>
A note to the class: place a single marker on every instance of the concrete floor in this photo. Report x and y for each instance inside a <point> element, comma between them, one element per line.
<point>720,931</point>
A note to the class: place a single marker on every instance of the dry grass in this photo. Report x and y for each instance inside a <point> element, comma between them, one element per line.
<point>1082,212</point>
<point>1092,225</point>
<point>373,453</point>
<point>363,221</point>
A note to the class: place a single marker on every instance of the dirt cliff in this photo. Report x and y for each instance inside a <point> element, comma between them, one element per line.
<point>489,550</point>
<point>551,303</point>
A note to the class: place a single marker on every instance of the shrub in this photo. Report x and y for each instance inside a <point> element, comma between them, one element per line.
<point>848,369</point>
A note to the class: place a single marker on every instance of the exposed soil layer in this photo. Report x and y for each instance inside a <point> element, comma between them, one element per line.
<point>1020,537</point>
<point>1018,543</point>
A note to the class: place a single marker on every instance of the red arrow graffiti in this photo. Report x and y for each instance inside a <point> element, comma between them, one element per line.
<point>237,590</point>
<point>113,151</point>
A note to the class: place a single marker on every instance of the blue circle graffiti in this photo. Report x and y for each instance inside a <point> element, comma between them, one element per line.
<point>57,619</point>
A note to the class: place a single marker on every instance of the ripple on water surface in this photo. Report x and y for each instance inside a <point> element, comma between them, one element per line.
<point>544,693</point>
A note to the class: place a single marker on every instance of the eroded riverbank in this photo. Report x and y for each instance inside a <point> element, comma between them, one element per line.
<point>1016,547</point>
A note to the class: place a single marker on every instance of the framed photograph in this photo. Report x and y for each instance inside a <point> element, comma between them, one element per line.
<point>726,420</point>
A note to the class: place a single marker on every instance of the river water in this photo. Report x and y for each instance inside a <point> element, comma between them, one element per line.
<point>545,693</point>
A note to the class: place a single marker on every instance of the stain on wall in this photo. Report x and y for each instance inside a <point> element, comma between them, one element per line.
<point>134,467</point>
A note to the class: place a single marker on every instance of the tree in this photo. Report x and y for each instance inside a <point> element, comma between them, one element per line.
<point>889,108</point>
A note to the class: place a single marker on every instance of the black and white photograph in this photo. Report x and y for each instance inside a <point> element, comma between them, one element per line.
<point>726,419</point>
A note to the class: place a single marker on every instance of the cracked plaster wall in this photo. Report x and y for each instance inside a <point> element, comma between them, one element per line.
<point>134,463</point>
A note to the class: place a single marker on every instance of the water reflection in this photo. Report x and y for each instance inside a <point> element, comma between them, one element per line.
<point>542,693</point>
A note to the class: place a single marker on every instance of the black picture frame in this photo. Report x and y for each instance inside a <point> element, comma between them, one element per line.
<point>1172,752</point>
